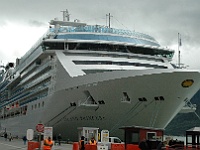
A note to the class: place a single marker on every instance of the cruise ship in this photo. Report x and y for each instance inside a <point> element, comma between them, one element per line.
<point>80,75</point>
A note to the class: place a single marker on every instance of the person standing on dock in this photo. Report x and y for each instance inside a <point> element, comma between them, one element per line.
<point>93,141</point>
<point>24,139</point>
<point>48,143</point>
<point>5,136</point>
<point>59,139</point>
<point>10,137</point>
<point>81,143</point>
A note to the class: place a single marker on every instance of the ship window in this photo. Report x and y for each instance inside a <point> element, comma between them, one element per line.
<point>151,51</point>
<point>42,104</point>
<point>92,62</point>
<point>162,98</point>
<point>136,40</point>
<point>71,46</point>
<point>38,105</point>
<point>38,62</point>
<point>97,71</point>
<point>35,106</point>
<point>53,46</point>
<point>120,48</point>
<point>98,47</point>
<point>137,57</point>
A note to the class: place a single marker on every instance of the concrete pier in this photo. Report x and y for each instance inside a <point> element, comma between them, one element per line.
<point>18,144</point>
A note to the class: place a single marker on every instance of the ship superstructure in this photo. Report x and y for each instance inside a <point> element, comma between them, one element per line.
<point>90,75</point>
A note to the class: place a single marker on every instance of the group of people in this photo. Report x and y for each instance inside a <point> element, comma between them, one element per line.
<point>8,136</point>
<point>48,143</point>
<point>82,142</point>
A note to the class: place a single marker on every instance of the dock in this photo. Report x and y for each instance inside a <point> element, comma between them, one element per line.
<point>18,144</point>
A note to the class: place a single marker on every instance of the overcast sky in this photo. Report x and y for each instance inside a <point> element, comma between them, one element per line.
<point>22,22</point>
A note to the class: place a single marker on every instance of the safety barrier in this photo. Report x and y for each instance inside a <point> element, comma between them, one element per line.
<point>182,148</point>
<point>117,146</point>
<point>102,147</point>
<point>114,146</point>
<point>75,146</point>
<point>191,148</point>
<point>132,147</point>
<point>90,147</point>
<point>32,145</point>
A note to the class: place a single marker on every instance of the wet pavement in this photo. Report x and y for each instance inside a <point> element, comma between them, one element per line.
<point>18,144</point>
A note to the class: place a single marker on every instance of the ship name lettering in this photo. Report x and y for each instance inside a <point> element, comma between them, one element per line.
<point>85,118</point>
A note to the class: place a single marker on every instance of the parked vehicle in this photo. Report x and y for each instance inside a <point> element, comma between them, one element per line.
<point>111,140</point>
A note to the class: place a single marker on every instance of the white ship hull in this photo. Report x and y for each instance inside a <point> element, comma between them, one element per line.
<point>115,113</point>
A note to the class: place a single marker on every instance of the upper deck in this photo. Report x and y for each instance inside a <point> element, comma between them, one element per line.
<point>81,31</point>
<point>80,36</point>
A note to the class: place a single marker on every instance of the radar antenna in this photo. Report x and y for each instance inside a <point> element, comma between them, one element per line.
<point>66,15</point>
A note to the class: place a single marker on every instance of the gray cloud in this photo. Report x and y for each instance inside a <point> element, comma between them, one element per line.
<point>160,19</point>
<point>36,23</point>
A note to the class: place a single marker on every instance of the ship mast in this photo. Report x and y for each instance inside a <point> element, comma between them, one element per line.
<point>109,16</point>
<point>66,15</point>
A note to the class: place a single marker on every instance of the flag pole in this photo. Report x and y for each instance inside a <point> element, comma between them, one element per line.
<point>179,58</point>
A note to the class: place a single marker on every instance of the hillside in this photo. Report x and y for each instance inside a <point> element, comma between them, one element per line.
<point>183,122</point>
